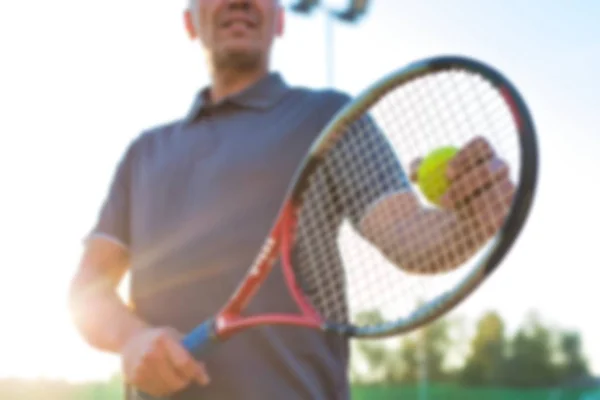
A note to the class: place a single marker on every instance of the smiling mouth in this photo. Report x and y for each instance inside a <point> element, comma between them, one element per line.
<point>238,23</point>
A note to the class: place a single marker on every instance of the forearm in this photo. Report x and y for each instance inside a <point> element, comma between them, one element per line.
<point>432,241</point>
<point>100,315</point>
<point>418,239</point>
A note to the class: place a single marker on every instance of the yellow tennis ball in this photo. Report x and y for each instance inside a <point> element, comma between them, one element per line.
<point>431,175</point>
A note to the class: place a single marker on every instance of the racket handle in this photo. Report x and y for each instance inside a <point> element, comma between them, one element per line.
<point>199,340</point>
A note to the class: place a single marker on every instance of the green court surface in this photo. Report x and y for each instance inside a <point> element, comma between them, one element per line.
<point>450,392</point>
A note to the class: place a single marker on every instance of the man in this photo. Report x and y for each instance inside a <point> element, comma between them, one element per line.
<point>189,206</point>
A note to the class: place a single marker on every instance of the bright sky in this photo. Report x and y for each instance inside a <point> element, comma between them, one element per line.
<point>79,79</point>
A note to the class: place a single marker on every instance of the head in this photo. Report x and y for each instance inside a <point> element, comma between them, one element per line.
<point>236,34</point>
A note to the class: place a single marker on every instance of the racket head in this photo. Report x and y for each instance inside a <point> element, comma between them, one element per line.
<point>442,80</point>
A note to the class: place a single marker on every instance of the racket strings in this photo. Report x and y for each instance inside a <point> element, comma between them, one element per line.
<point>347,275</point>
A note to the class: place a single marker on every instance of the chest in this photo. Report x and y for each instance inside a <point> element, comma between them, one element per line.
<point>217,177</point>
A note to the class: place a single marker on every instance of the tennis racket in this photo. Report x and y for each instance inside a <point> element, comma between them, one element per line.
<point>349,284</point>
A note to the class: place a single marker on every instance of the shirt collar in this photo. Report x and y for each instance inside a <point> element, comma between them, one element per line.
<point>261,95</point>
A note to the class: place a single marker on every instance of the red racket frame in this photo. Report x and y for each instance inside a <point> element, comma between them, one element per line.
<point>278,245</point>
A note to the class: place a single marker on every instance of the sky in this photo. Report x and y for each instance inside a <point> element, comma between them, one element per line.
<point>80,79</point>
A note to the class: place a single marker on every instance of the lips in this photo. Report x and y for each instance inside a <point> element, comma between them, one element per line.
<point>238,22</point>
<point>239,19</point>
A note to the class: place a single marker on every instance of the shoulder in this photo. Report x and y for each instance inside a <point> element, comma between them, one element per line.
<point>159,133</point>
<point>152,138</point>
<point>323,103</point>
<point>328,98</point>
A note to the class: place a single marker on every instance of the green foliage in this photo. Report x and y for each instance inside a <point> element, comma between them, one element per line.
<point>536,356</point>
<point>436,345</point>
<point>535,360</point>
<point>400,360</point>
<point>531,358</point>
<point>485,364</point>
<point>574,362</point>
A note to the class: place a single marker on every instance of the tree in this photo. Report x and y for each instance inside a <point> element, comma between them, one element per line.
<point>536,356</point>
<point>574,365</point>
<point>531,362</point>
<point>437,342</point>
<point>399,360</point>
<point>372,352</point>
<point>486,361</point>
<point>409,354</point>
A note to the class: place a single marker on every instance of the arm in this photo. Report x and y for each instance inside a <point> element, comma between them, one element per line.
<point>420,240</point>
<point>98,312</point>
<point>153,358</point>
<point>379,200</point>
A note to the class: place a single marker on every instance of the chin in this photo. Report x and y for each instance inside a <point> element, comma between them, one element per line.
<point>238,55</point>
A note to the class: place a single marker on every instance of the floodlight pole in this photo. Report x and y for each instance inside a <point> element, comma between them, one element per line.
<point>423,364</point>
<point>352,15</point>
<point>329,47</point>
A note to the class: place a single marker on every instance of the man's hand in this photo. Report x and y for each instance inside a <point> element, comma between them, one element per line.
<point>480,188</point>
<point>155,362</point>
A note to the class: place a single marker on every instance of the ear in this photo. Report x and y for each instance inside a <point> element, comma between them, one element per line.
<point>189,24</point>
<point>279,21</point>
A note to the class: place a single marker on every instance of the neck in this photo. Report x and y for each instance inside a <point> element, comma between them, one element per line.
<point>228,82</point>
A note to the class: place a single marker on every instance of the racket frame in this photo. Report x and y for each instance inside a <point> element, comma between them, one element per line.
<point>278,243</point>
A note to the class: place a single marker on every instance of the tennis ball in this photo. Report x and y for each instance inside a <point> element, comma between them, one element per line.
<point>431,174</point>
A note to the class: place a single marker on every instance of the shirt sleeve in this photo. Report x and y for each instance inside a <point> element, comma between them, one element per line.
<point>364,167</point>
<point>113,220</point>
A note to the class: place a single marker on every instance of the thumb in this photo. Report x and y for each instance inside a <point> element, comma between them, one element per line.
<point>414,169</point>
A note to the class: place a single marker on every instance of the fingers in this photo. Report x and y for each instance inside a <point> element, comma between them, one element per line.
<point>166,378</point>
<point>474,182</point>
<point>492,206</point>
<point>185,365</point>
<point>414,169</point>
<point>173,377</point>
<point>156,363</point>
<point>486,210</point>
<point>480,188</point>
<point>474,153</point>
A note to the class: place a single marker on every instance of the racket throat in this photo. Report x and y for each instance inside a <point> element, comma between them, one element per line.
<point>287,238</point>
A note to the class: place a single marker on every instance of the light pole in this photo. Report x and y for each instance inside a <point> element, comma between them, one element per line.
<point>351,14</point>
<point>329,47</point>
<point>423,364</point>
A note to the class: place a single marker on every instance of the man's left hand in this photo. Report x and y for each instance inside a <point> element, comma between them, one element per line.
<point>480,188</point>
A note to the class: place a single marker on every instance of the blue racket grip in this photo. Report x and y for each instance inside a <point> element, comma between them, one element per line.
<point>199,341</point>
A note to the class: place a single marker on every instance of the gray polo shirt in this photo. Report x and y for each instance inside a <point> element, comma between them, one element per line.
<point>193,201</point>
